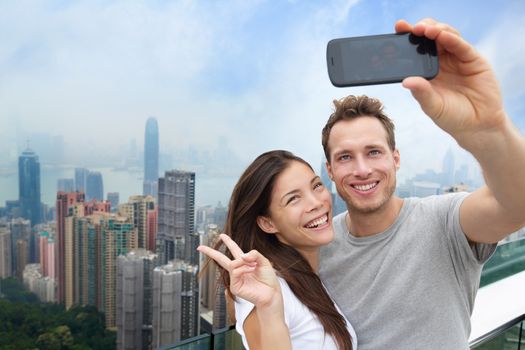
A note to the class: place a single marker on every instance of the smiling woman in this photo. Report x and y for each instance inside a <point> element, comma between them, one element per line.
<point>280,213</point>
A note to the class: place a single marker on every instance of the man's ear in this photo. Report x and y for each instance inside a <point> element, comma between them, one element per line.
<point>266,224</point>
<point>397,158</point>
<point>329,171</point>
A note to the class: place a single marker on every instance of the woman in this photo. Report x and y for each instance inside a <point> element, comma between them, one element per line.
<point>281,214</point>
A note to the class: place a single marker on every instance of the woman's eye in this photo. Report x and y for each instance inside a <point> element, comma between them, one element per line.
<point>318,185</point>
<point>292,199</point>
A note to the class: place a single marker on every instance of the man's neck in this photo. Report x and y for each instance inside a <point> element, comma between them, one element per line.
<point>361,224</point>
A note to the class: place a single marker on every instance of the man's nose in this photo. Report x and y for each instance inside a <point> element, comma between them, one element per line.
<point>361,168</point>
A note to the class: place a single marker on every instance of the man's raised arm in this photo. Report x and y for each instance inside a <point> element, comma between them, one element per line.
<point>465,101</point>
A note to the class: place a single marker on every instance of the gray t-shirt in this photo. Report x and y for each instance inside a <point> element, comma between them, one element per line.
<point>411,286</point>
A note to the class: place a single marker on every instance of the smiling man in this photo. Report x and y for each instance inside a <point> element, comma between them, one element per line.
<point>405,272</point>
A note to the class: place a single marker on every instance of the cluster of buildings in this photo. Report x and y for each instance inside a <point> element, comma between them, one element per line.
<point>135,261</point>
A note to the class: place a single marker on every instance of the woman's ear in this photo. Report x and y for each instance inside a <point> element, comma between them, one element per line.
<point>266,224</point>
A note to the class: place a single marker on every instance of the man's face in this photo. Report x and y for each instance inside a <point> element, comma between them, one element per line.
<point>362,165</point>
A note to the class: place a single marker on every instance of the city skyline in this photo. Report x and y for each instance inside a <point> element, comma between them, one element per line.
<point>230,80</point>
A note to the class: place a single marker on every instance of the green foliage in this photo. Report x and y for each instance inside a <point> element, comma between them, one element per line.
<point>28,324</point>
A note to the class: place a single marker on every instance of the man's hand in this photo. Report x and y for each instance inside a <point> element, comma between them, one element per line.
<point>464,98</point>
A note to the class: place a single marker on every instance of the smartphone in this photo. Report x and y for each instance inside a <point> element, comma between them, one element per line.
<point>380,59</point>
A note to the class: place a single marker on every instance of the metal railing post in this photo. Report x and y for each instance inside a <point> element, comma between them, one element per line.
<point>519,337</point>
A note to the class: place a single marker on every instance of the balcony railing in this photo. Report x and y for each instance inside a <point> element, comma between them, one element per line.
<point>507,336</point>
<point>497,321</point>
<point>222,339</point>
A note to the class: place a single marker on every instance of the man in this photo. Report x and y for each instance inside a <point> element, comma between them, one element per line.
<point>406,272</point>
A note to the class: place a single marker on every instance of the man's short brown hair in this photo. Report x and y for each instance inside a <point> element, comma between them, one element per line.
<point>352,107</point>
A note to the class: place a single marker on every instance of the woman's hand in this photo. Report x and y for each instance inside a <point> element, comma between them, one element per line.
<point>252,276</point>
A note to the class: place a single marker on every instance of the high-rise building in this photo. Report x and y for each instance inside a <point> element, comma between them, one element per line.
<point>118,237</point>
<point>142,210</point>
<point>5,252</point>
<point>176,207</point>
<point>153,221</point>
<point>151,157</point>
<point>47,255</point>
<point>22,257</point>
<point>20,232</point>
<point>94,186</point>
<point>29,186</point>
<point>81,175</point>
<point>167,292</point>
<point>134,298</point>
<point>203,217</point>
<point>212,292</point>
<point>175,303</point>
<point>64,208</point>
<point>43,287</point>
<point>219,215</point>
<point>190,299</point>
<point>113,198</point>
<point>65,185</point>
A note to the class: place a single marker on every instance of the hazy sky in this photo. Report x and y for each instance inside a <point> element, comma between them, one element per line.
<point>252,73</point>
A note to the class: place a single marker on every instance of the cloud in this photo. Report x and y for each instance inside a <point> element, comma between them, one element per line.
<point>504,47</point>
<point>252,72</point>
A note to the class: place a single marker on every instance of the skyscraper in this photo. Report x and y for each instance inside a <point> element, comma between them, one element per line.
<point>20,237</point>
<point>175,303</point>
<point>113,198</point>
<point>65,185</point>
<point>176,215</point>
<point>141,210</point>
<point>22,257</point>
<point>80,179</point>
<point>64,204</point>
<point>5,252</point>
<point>29,186</point>
<point>134,298</point>
<point>94,186</point>
<point>167,283</point>
<point>151,157</point>
<point>118,237</point>
<point>212,291</point>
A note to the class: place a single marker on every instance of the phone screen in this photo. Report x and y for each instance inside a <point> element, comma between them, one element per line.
<point>380,59</point>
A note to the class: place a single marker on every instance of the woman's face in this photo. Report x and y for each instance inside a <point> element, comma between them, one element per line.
<point>301,209</point>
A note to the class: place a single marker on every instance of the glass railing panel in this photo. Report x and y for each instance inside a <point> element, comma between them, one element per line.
<point>223,339</point>
<point>512,339</point>
<point>508,259</point>
<point>201,342</point>
<point>227,339</point>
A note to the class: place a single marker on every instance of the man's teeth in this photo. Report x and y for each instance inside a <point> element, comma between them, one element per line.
<point>317,222</point>
<point>365,187</point>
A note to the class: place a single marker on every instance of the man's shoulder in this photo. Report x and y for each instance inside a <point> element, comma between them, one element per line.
<point>437,199</point>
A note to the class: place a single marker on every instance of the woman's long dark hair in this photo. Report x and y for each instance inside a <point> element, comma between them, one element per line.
<point>251,198</point>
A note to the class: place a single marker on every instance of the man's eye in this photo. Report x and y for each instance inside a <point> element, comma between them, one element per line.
<point>344,157</point>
